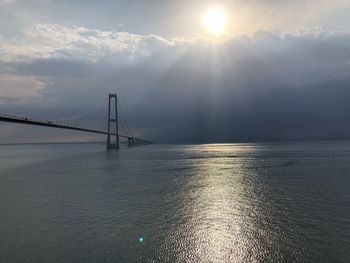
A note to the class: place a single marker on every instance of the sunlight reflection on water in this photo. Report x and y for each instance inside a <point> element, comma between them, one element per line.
<point>217,197</point>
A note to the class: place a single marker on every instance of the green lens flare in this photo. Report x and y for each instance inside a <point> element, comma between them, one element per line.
<point>141,239</point>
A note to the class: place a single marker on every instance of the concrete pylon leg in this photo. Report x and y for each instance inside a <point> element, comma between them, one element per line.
<point>112,121</point>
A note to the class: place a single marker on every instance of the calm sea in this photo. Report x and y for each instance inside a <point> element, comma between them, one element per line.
<point>281,202</point>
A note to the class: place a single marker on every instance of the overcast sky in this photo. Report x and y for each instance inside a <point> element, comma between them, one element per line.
<point>281,73</point>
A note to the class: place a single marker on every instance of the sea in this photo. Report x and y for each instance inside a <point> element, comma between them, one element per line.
<point>248,202</point>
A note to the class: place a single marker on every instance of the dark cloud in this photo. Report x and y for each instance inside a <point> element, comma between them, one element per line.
<point>268,87</point>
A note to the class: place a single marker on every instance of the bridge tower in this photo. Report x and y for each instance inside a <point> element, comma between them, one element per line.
<point>112,105</point>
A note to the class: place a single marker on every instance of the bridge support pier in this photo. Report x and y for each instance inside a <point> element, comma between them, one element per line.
<point>131,142</point>
<point>112,121</point>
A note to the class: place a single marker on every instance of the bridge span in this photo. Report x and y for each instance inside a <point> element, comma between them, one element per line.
<point>132,141</point>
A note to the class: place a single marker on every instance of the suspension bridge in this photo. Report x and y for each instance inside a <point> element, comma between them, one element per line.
<point>69,124</point>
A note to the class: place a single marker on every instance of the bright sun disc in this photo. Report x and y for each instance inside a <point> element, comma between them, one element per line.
<point>215,21</point>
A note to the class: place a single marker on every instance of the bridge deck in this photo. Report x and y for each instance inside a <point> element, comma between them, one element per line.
<point>20,120</point>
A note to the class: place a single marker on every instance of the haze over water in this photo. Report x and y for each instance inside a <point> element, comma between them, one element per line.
<point>281,202</point>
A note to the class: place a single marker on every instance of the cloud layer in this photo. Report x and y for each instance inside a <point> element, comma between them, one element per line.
<point>54,41</point>
<point>269,86</point>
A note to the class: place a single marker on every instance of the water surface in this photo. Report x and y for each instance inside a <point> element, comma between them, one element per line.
<point>281,202</point>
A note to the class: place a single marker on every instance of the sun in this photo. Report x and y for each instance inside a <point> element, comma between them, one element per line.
<point>215,21</point>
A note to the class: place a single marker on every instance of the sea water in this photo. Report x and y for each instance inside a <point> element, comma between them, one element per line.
<point>257,202</point>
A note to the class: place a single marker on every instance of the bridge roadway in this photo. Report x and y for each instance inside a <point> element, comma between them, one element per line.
<point>21,120</point>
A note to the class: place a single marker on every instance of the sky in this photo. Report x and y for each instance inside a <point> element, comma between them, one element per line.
<point>281,72</point>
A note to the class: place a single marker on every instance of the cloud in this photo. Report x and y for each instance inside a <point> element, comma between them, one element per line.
<point>6,2</point>
<point>45,41</point>
<point>14,86</point>
<point>286,16</point>
<point>268,86</point>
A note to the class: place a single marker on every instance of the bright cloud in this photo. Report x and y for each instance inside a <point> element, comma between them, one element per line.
<point>62,42</point>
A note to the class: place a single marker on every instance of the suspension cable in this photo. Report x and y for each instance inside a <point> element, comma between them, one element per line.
<point>82,115</point>
<point>124,119</point>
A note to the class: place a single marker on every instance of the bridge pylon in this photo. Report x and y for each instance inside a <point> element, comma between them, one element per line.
<point>112,121</point>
